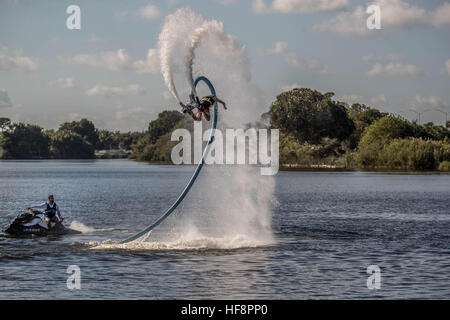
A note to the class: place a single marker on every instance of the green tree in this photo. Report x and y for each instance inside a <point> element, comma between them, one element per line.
<point>163,124</point>
<point>4,124</point>
<point>23,141</point>
<point>147,150</point>
<point>105,140</point>
<point>67,144</point>
<point>117,140</point>
<point>413,154</point>
<point>310,116</point>
<point>387,128</point>
<point>378,136</point>
<point>431,131</point>
<point>84,128</point>
<point>362,117</point>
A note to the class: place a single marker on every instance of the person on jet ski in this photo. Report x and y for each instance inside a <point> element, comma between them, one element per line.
<point>50,210</point>
<point>202,106</point>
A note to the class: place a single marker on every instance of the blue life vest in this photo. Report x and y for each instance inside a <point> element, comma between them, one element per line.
<point>50,212</point>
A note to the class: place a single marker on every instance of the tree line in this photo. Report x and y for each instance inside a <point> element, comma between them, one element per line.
<point>72,140</point>
<point>315,130</point>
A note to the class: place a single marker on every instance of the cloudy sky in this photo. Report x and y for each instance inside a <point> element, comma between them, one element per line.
<point>109,70</point>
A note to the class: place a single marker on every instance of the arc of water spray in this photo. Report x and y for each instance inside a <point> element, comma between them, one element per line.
<point>208,27</point>
<point>194,176</point>
<point>165,50</point>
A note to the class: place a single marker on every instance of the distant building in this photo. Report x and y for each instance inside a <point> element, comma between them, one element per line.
<point>112,154</point>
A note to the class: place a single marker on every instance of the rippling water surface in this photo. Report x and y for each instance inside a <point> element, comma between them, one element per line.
<point>328,228</point>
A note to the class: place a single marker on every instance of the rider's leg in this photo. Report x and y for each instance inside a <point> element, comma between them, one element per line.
<point>49,223</point>
<point>197,117</point>
<point>207,114</point>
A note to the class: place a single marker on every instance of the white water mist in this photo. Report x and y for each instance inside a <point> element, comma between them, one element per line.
<point>231,203</point>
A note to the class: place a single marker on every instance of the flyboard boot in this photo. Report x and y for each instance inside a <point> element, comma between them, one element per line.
<point>193,103</point>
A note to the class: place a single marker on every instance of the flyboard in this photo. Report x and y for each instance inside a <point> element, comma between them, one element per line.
<point>194,176</point>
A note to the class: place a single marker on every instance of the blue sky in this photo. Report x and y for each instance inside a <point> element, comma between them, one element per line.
<point>49,74</point>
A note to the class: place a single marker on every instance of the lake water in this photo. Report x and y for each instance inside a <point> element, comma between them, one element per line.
<point>327,228</point>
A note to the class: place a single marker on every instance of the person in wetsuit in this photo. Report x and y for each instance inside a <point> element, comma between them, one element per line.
<point>203,105</point>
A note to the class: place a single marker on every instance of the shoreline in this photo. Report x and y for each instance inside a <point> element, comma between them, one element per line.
<point>283,167</point>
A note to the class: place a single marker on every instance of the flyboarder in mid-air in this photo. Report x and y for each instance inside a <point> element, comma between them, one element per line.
<point>202,106</point>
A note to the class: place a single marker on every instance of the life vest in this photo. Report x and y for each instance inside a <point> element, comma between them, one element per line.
<point>50,212</point>
<point>207,101</point>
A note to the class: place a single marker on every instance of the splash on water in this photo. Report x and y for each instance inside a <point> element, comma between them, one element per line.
<point>78,226</point>
<point>228,207</point>
<point>188,241</point>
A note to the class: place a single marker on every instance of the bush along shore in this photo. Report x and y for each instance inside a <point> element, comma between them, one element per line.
<point>316,133</point>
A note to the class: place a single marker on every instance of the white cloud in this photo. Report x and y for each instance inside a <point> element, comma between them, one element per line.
<point>150,65</point>
<point>65,83</point>
<point>107,91</point>
<point>305,63</point>
<point>109,60</point>
<point>350,98</point>
<point>5,101</point>
<point>446,68</point>
<point>441,16</point>
<point>74,116</point>
<point>10,60</point>
<point>393,66</point>
<point>394,14</point>
<point>123,114</point>
<point>227,2</point>
<point>135,89</point>
<point>150,12</point>
<point>355,98</point>
<point>431,101</point>
<point>135,114</point>
<point>394,69</point>
<point>397,13</point>
<point>94,39</point>
<point>119,60</point>
<point>348,22</point>
<point>289,87</point>
<point>389,56</point>
<point>378,99</point>
<point>298,6</point>
<point>280,47</point>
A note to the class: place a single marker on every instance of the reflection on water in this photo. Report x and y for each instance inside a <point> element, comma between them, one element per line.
<point>328,228</point>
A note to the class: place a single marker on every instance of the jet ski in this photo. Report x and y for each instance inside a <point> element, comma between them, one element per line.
<point>30,223</point>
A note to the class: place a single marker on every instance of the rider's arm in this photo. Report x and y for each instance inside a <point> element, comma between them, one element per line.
<point>223,103</point>
<point>58,213</point>
<point>39,207</point>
